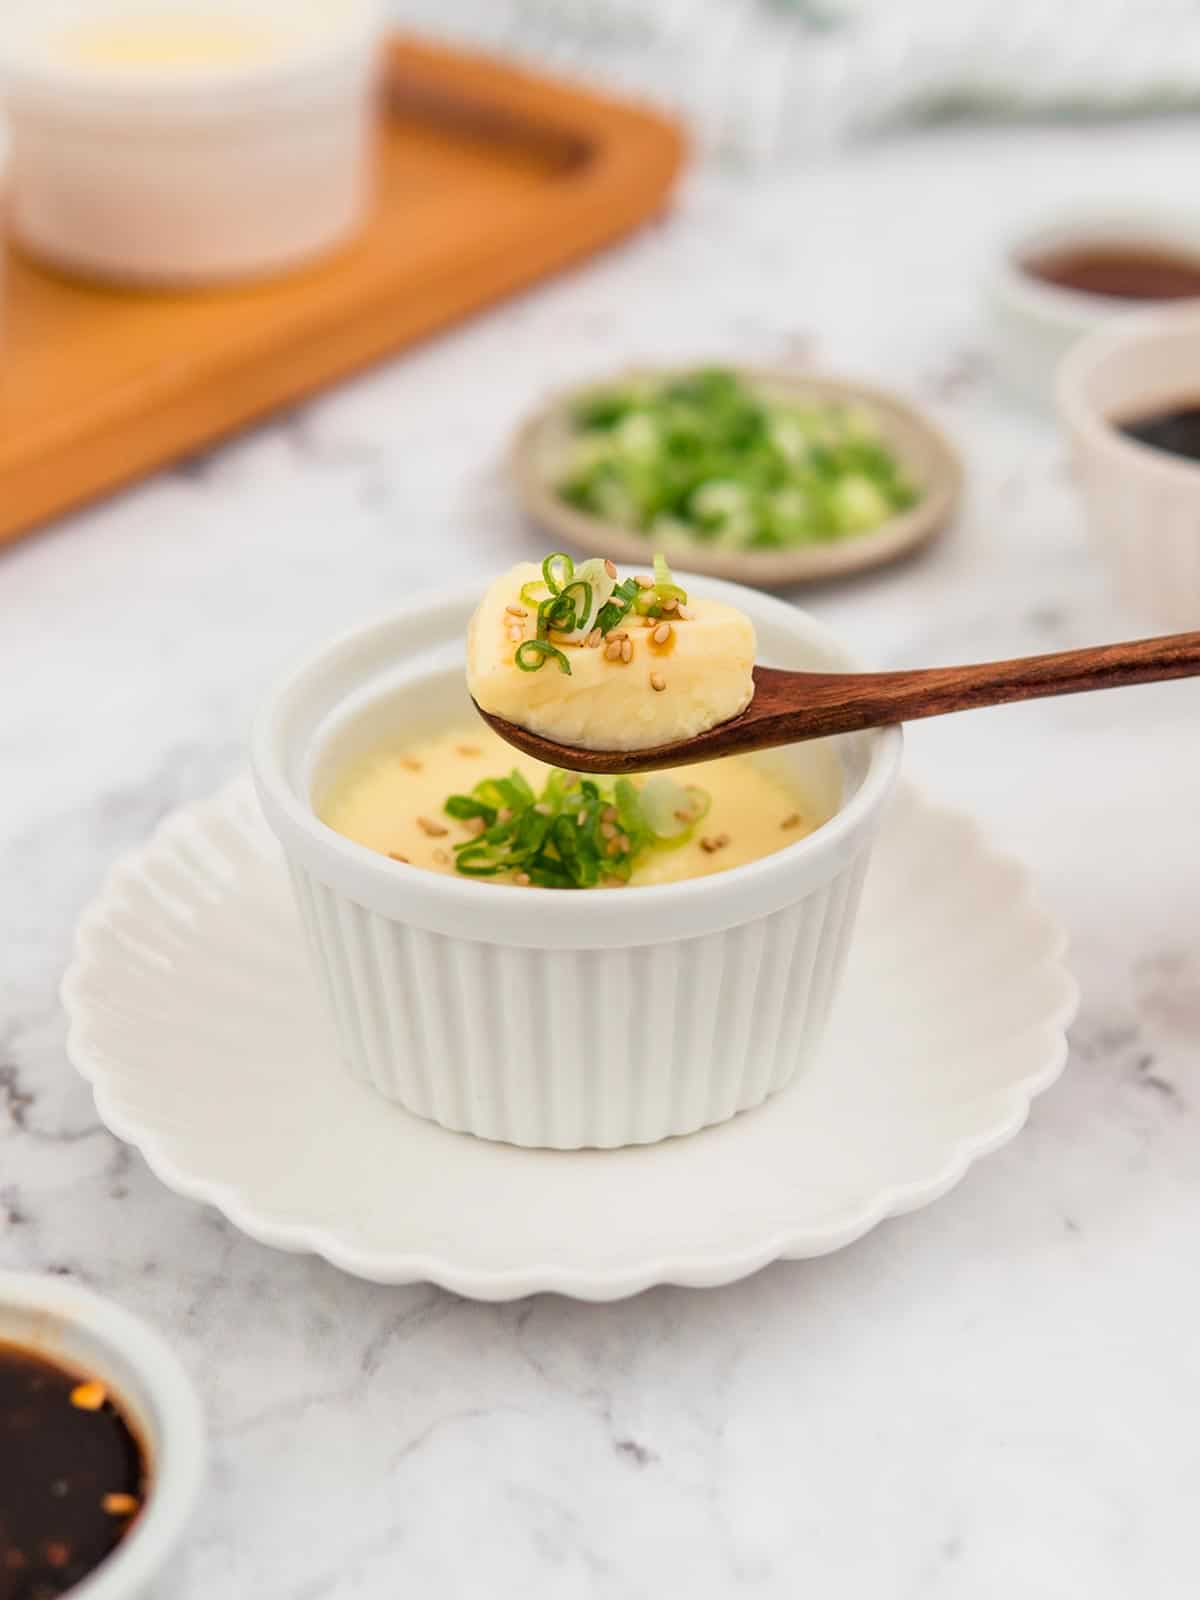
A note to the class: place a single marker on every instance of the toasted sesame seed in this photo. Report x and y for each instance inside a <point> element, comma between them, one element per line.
<point>89,1396</point>
<point>411,763</point>
<point>722,839</point>
<point>627,650</point>
<point>614,847</point>
<point>610,814</point>
<point>516,634</point>
<point>435,830</point>
<point>474,825</point>
<point>670,604</point>
<point>792,821</point>
<point>468,750</point>
<point>649,621</point>
<point>608,829</point>
<point>612,651</point>
<point>643,582</point>
<point>662,633</point>
<point>623,841</point>
<point>658,682</point>
<point>685,817</point>
<point>610,569</point>
<point>442,857</point>
<point>594,638</point>
<point>622,633</point>
<point>581,818</point>
<point>394,855</point>
<point>711,845</point>
<point>683,613</point>
<point>523,879</point>
<point>119,1505</point>
<point>516,611</point>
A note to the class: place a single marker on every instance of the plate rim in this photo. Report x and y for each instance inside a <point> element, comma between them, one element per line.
<point>693,1269</point>
<point>900,535</point>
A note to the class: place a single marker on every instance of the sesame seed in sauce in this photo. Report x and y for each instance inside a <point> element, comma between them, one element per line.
<point>442,857</point>
<point>394,855</point>
<point>623,841</point>
<point>792,821</point>
<point>609,814</point>
<point>523,879</point>
<point>683,613</point>
<point>711,845</point>
<point>410,763</point>
<point>671,604</point>
<point>594,638</point>
<point>435,830</point>
<point>662,633</point>
<point>474,825</point>
<point>627,650</point>
<point>657,682</point>
<point>614,883</point>
<point>609,830</point>
<point>612,651</point>
<point>468,750</point>
<point>516,611</point>
<point>614,847</point>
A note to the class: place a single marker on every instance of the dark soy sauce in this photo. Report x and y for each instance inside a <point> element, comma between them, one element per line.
<point>1119,272</point>
<point>1175,430</point>
<point>72,1476</point>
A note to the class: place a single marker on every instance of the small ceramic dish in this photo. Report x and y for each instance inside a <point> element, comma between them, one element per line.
<point>81,1332</point>
<point>927,455</point>
<point>1036,322</point>
<point>554,1017</point>
<point>194,1016</point>
<point>191,142</point>
<point>1143,504</point>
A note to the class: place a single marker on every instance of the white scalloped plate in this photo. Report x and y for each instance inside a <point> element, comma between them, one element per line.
<point>195,1019</point>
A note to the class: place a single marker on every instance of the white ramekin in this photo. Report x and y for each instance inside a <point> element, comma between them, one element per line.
<point>551,1018</point>
<point>1143,504</point>
<point>1035,323</point>
<point>191,175</point>
<point>84,1333</point>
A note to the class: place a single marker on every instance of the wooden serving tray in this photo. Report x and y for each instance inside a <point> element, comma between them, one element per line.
<point>490,178</point>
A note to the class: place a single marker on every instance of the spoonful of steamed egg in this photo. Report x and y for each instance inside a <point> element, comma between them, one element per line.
<point>593,673</point>
<point>563,660</point>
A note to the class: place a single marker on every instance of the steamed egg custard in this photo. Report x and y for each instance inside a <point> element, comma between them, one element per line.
<point>578,657</point>
<point>465,802</point>
<point>585,659</point>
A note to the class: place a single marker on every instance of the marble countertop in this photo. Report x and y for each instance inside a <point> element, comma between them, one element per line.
<point>988,1398</point>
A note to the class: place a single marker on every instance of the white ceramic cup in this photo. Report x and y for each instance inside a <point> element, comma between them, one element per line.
<point>1035,323</point>
<point>554,1017</point>
<point>84,1333</point>
<point>180,174</point>
<point>1143,504</point>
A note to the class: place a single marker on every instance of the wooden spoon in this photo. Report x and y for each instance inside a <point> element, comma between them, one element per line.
<point>790,706</point>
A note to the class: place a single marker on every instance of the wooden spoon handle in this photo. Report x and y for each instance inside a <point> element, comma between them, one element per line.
<point>840,703</point>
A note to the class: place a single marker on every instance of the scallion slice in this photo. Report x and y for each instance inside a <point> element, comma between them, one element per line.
<point>534,653</point>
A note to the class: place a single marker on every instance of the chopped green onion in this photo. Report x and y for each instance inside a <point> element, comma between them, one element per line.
<point>556,577</point>
<point>527,595</point>
<point>535,652</point>
<point>554,838</point>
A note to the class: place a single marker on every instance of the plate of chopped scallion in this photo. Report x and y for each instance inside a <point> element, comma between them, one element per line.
<point>761,476</point>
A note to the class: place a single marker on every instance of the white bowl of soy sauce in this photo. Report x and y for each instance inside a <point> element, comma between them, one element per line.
<point>1054,284</point>
<point>102,1445</point>
<point>1129,400</point>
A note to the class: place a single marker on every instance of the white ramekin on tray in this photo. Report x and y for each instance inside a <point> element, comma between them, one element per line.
<point>1143,504</point>
<point>86,1334</point>
<point>179,171</point>
<point>561,1018</point>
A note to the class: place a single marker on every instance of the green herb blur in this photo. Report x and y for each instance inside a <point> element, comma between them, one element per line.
<point>705,458</point>
<point>575,834</point>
